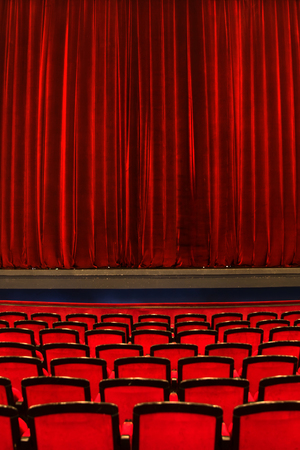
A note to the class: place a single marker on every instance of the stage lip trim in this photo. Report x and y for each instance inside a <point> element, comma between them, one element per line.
<point>150,278</point>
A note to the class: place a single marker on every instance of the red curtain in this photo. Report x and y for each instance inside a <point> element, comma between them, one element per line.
<point>148,133</point>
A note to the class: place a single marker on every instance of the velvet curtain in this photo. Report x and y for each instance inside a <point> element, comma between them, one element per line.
<point>149,133</point>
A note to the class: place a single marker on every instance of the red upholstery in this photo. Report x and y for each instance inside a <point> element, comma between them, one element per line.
<point>236,351</point>
<point>63,350</point>
<point>176,426</point>
<point>12,316</point>
<point>257,367</point>
<point>224,392</point>
<point>228,325</point>
<point>224,317</point>
<point>111,352</point>
<point>119,317</point>
<point>201,338</point>
<point>93,338</point>
<point>266,425</point>
<point>6,395</point>
<point>41,390</point>
<point>4,324</point>
<point>50,318</point>
<point>92,369</point>
<point>143,367</point>
<point>17,349</point>
<point>127,392</point>
<point>73,425</point>
<point>191,325</point>
<point>190,317</point>
<point>81,327</point>
<point>17,335</point>
<point>173,352</point>
<point>267,325</point>
<point>252,336</point>
<point>155,317</point>
<point>54,335</point>
<point>205,366</point>
<point>257,316</point>
<point>34,325</point>
<point>89,319</point>
<point>9,426</point>
<point>279,388</point>
<point>291,348</point>
<point>147,338</point>
<point>113,326</point>
<point>291,316</point>
<point>284,334</point>
<point>151,326</point>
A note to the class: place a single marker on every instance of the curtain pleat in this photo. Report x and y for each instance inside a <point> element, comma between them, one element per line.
<point>149,133</point>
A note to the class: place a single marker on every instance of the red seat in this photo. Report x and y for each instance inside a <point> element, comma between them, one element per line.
<point>81,327</point>
<point>12,316</point>
<point>201,338</point>
<point>192,325</point>
<point>4,324</point>
<point>87,318</point>
<point>236,351</point>
<point>268,325</point>
<point>252,336</point>
<point>10,433</point>
<point>92,369</point>
<point>176,425</point>
<point>257,367</point>
<point>190,317</point>
<point>74,425</point>
<point>127,392</point>
<point>155,318</point>
<point>50,318</point>
<point>266,425</point>
<point>224,317</point>
<point>284,334</point>
<point>228,325</point>
<point>291,316</point>
<point>17,335</point>
<point>111,352</point>
<point>290,348</point>
<point>151,326</point>
<point>257,316</point>
<point>17,349</point>
<point>55,335</point>
<point>205,366</point>
<point>113,326</point>
<point>41,390</point>
<point>6,395</point>
<point>279,388</point>
<point>64,350</point>
<point>173,352</point>
<point>143,367</point>
<point>93,338</point>
<point>119,317</point>
<point>34,325</point>
<point>147,338</point>
<point>224,392</point>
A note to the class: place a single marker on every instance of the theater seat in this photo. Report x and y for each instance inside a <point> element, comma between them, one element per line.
<point>9,426</point>
<point>205,366</point>
<point>143,367</point>
<point>176,426</point>
<point>279,388</point>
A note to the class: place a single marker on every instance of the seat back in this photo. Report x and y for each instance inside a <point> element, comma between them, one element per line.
<point>128,392</point>
<point>201,338</point>
<point>17,349</point>
<point>176,425</point>
<point>12,316</point>
<point>50,318</point>
<point>257,316</point>
<point>291,316</point>
<point>284,334</point>
<point>34,325</point>
<point>263,366</point>
<point>268,325</point>
<point>111,352</point>
<point>113,326</point>
<point>81,327</point>
<point>290,348</point>
<point>55,335</point>
<point>205,366</point>
<point>6,395</point>
<point>155,318</point>
<point>191,325</point>
<point>143,367</point>
<point>279,388</point>
<point>173,352</point>
<point>224,317</point>
<point>147,338</point>
<point>10,433</point>
<point>228,325</point>
<point>93,338</point>
<point>18,367</point>
<point>74,425</point>
<point>64,350</point>
<point>41,390</point>
<point>4,324</point>
<point>224,392</point>
<point>190,317</point>
<point>119,317</point>
<point>151,326</point>
<point>266,425</point>
<point>92,369</point>
<point>17,335</point>
<point>236,351</point>
<point>252,336</point>
<point>87,318</point>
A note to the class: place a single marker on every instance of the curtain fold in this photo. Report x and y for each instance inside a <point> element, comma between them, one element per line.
<point>149,133</point>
